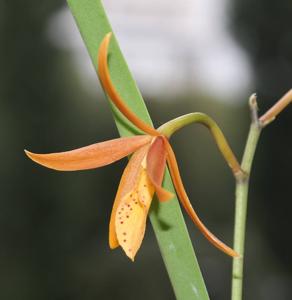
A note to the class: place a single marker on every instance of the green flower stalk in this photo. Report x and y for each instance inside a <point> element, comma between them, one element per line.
<point>242,184</point>
<point>169,128</point>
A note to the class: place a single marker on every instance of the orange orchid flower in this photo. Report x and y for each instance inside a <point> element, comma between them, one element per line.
<point>141,178</point>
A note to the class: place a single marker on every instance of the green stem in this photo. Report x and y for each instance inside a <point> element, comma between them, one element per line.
<point>241,194</point>
<point>169,128</point>
<point>242,184</point>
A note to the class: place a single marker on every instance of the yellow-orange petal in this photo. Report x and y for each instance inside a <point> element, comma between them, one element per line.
<point>90,157</point>
<point>156,163</point>
<point>104,75</point>
<point>175,174</point>
<point>131,215</point>
<point>127,184</point>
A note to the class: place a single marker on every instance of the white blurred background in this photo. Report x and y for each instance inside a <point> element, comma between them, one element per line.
<point>172,47</point>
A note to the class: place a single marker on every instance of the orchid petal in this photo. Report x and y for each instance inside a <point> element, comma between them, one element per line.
<point>130,210</point>
<point>172,163</point>
<point>90,157</point>
<point>127,184</point>
<point>156,163</point>
<point>132,214</point>
<point>104,74</point>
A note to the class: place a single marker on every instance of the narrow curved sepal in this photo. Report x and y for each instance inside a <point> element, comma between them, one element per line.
<point>104,75</point>
<point>177,181</point>
<point>90,157</point>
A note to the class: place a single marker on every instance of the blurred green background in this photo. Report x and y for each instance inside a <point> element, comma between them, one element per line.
<point>54,225</point>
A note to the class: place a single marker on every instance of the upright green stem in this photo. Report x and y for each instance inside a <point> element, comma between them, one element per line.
<point>241,194</point>
<point>242,184</point>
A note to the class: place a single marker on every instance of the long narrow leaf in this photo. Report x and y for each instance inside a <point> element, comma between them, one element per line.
<point>166,218</point>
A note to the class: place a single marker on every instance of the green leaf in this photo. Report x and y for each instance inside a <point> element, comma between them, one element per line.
<point>166,218</point>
